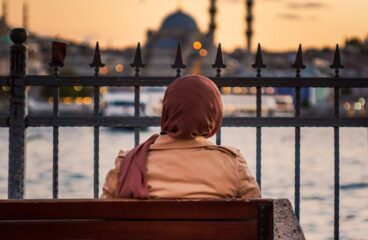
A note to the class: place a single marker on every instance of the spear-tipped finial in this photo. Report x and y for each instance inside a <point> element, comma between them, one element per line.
<point>137,64</point>
<point>258,64</point>
<point>96,61</point>
<point>337,61</point>
<point>298,65</point>
<point>219,63</point>
<point>299,59</point>
<point>178,65</point>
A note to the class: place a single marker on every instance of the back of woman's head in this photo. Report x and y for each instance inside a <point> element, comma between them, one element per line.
<point>191,107</point>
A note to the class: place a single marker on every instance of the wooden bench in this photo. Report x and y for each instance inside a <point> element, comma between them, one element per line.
<point>133,219</point>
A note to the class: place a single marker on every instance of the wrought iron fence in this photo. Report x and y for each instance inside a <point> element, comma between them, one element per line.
<point>18,121</point>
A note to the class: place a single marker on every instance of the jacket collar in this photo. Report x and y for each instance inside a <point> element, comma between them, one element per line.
<point>167,142</point>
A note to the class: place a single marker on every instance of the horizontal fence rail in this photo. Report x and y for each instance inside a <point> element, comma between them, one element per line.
<point>113,81</point>
<point>18,121</point>
<point>93,121</point>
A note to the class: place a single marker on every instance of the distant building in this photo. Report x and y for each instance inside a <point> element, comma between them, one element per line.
<point>161,45</point>
<point>4,40</point>
<point>4,28</point>
<point>198,49</point>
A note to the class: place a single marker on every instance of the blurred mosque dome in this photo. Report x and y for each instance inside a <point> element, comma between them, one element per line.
<point>160,48</point>
<point>180,27</point>
<point>179,20</point>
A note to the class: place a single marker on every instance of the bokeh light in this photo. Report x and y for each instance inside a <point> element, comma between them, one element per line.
<point>197,45</point>
<point>203,52</point>
<point>119,68</point>
<point>104,70</point>
<point>78,88</point>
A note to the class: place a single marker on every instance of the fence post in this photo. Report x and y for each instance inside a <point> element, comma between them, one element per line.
<point>17,114</point>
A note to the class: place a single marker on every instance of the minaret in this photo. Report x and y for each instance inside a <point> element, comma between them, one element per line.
<point>249,20</point>
<point>212,26</point>
<point>5,12</point>
<point>25,15</point>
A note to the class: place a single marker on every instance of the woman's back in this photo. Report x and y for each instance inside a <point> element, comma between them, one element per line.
<point>180,162</point>
<point>193,168</point>
<point>197,169</point>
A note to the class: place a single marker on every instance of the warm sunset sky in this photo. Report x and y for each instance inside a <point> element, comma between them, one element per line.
<point>279,24</point>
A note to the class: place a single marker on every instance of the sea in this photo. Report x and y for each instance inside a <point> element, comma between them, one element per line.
<point>317,169</point>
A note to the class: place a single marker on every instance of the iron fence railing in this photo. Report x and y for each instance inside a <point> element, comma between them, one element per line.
<point>18,121</point>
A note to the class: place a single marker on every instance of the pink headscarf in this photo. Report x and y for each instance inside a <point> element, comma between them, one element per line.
<point>192,107</point>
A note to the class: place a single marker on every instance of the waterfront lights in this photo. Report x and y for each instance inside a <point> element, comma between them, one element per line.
<point>361,101</point>
<point>119,68</point>
<point>78,88</point>
<point>357,106</point>
<point>197,45</point>
<point>104,70</point>
<point>103,90</point>
<point>203,52</point>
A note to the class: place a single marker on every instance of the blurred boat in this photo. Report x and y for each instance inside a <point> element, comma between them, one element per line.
<point>284,103</point>
<point>121,104</point>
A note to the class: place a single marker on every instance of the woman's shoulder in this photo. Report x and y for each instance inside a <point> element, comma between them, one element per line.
<point>233,152</point>
<point>122,153</point>
<point>120,158</point>
<point>166,142</point>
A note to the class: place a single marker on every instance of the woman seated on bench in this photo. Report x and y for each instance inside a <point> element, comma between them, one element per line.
<point>181,162</point>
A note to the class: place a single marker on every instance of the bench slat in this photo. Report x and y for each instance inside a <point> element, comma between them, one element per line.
<point>134,219</point>
<point>130,210</point>
<point>128,230</point>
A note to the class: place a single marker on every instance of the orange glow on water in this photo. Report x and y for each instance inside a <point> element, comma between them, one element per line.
<point>87,100</point>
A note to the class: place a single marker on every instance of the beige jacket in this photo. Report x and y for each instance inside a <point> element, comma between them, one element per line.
<point>191,169</point>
